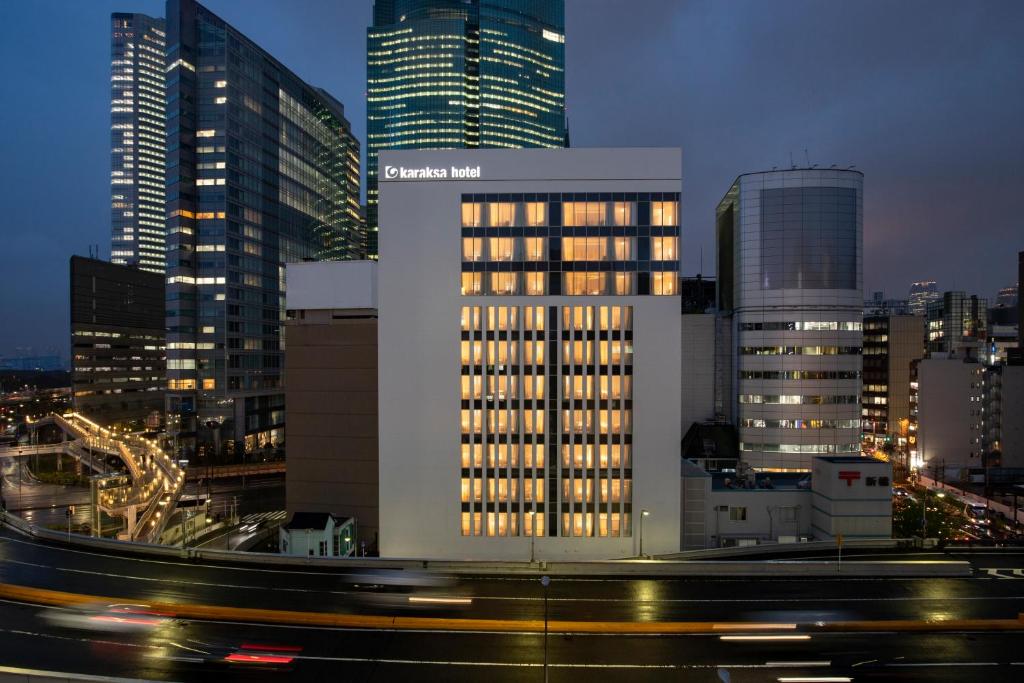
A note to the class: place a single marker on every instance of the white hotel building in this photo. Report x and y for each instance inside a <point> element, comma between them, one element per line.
<point>529,365</point>
<point>790,273</point>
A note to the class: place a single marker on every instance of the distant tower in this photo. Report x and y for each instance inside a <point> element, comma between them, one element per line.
<point>920,294</point>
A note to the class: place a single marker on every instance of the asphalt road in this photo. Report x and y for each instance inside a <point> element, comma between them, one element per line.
<point>27,639</point>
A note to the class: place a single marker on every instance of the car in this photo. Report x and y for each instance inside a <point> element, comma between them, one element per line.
<point>112,618</point>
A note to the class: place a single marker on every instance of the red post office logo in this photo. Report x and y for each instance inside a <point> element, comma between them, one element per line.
<point>849,477</point>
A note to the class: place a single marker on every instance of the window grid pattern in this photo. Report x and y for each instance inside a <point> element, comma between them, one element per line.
<point>575,244</point>
<point>546,421</point>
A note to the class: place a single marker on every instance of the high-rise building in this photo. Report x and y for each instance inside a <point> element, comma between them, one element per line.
<point>790,272</point>
<point>529,353</point>
<point>444,74</point>
<point>921,293</point>
<point>117,342</point>
<point>950,413</point>
<point>262,170</point>
<point>137,141</point>
<point>891,344</point>
<point>956,320</point>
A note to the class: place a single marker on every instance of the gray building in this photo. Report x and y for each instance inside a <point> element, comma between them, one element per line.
<point>117,342</point>
<point>137,141</point>
<point>789,273</point>
<point>262,170</point>
<point>529,353</point>
<point>331,392</point>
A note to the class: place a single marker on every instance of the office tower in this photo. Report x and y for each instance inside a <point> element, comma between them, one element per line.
<point>956,320</point>
<point>137,141</point>
<point>921,293</point>
<point>789,271</point>
<point>262,170</point>
<point>891,344</point>
<point>529,381</point>
<point>444,74</point>
<point>117,342</point>
<point>331,393</point>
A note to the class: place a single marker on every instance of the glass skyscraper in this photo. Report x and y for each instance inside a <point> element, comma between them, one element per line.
<point>137,144</point>
<point>262,170</point>
<point>462,73</point>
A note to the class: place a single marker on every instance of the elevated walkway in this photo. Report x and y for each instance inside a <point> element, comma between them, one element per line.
<point>144,495</point>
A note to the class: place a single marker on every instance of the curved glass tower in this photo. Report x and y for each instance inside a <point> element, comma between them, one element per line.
<point>790,272</point>
<point>444,74</point>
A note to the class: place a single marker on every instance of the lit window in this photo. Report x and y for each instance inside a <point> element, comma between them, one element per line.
<point>664,213</point>
<point>472,248</point>
<point>663,248</point>
<point>504,283</point>
<point>500,214</point>
<point>663,284</point>
<point>209,384</point>
<point>500,248</point>
<point>623,283</point>
<point>208,133</point>
<point>472,284</point>
<point>220,84</point>
<point>534,248</point>
<point>590,284</point>
<point>535,283</point>
<point>584,248</point>
<point>623,248</point>
<point>471,215</point>
<point>220,100</point>
<point>536,213</point>
<point>623,213</point>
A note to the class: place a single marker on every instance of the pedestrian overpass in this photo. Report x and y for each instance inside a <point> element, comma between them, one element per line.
<point>144,495</point>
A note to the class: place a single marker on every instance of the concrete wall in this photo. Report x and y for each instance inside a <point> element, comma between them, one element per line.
<point>949,413</point>
<point>420,302</point>
<point>698,369</point>
<point>1012,432</point>
<point>331,390</point>
<point>331,284</point>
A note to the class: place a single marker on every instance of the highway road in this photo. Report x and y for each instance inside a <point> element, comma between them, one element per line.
<point>29,639</point>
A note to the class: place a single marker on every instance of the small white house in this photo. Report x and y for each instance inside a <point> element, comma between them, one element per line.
<point>318,534</point>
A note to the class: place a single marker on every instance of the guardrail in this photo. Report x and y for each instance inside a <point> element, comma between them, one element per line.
<point>710,567</point>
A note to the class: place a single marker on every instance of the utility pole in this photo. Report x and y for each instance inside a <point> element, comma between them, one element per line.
<point>545,581</point>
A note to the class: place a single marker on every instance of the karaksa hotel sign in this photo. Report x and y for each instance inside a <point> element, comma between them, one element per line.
<point>431,173</point>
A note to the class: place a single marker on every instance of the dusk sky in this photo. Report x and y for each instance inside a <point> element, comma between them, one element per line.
<point>926,98</point>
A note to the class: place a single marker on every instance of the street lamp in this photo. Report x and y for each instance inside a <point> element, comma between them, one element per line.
<point>643,513</point>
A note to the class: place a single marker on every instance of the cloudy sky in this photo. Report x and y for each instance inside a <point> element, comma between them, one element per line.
<point>925,97</point>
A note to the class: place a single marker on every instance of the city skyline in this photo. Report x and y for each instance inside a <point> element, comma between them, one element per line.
<point>912,108</point>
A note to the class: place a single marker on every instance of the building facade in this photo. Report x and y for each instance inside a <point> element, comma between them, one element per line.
<point>137,141</point>
<point>117,342</point>
<point>331,392</point>
<point>891,344</point>
<point>447,74</point>
<point>262,170</point>
<point>956,320</point>
<point>529,353</point>
<point>950,415</point>
<point>921,294</point>
<point>789,272</point>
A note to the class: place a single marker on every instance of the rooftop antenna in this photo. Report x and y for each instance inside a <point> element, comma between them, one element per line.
<point>701,260</point>
<point>791,164</point>
<point>807,157</point>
